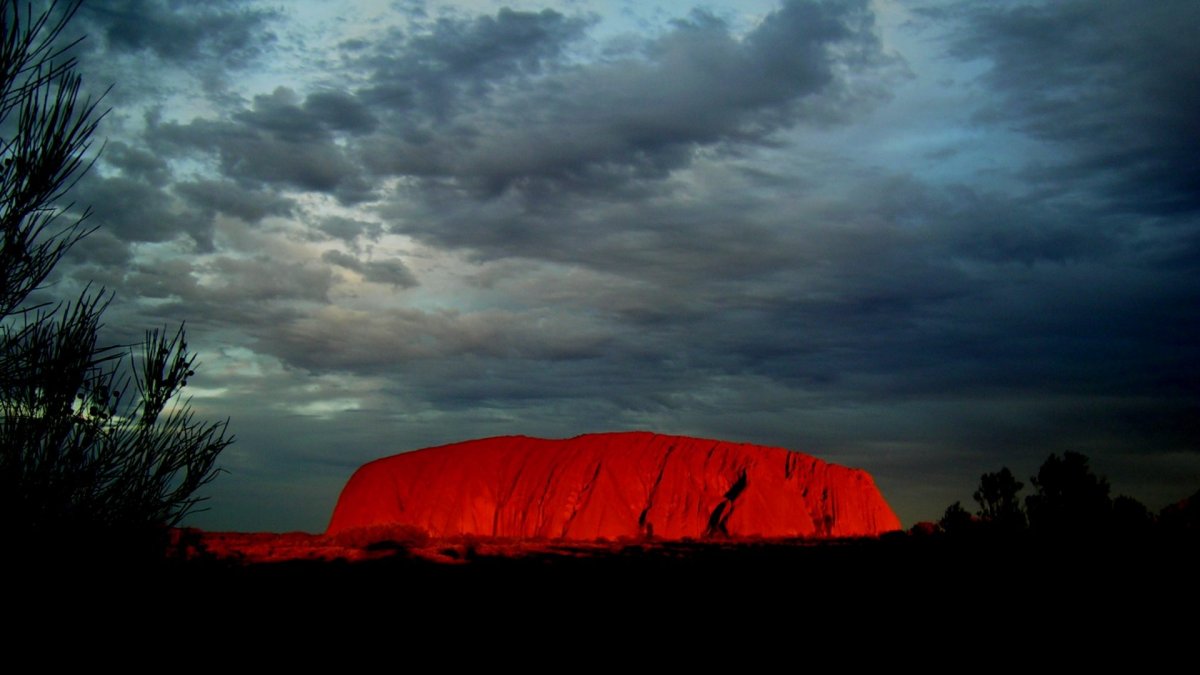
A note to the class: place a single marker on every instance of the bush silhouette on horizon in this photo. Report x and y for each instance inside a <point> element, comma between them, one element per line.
<point>1070,503</point>
<point>999,507</point>
<point>1070,499</point>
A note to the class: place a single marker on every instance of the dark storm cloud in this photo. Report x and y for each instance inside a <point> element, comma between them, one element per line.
<point>225,30</point>
<point>282,155</point>
<point>251,294</point>
<point>231,199</point>
<point>392,272</point>
<point>455,62</point>
<point>898,292</point>
<point>164,280</point>
<point>524,117</point>
<point>280,141</point>
<point>134,211</point>
<point>348,229</point>
<point>342,260</point>
<point>600,125</point>
<point>154,50</point>
<point>1112,84</point>
<point>101,248</point>
<point>392,340</point>
<point>340,111</point>
<point>239,280</point>
<point>911,290</point>
<point>136,206</point>
<point>136,163</point>
<point>284,116</point>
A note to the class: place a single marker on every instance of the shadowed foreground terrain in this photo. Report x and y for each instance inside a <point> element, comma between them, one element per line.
<point>920,591</point>
<point>716,572</point>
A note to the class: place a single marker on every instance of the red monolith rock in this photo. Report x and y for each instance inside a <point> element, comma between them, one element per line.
<point>610,486</point>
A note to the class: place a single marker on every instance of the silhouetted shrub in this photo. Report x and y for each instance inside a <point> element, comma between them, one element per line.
<point>957,521</point>
<point>1070,499</point>
<point>999,507</point>
<point>98,456</point>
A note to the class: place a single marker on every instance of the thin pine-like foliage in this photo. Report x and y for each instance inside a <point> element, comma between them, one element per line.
<point>95,440</point>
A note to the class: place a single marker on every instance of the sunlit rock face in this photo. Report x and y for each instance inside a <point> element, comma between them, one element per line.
<point>611,486</point>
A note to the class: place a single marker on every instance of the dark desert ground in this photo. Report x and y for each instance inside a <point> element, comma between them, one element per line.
<point>904,586</point>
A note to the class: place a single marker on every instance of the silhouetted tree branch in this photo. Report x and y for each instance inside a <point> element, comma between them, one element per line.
<point>43,156</point>
<point>999,506</point>
<point>94,440</point>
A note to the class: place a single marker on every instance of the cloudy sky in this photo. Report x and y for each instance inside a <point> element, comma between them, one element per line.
<point>924,238</point>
